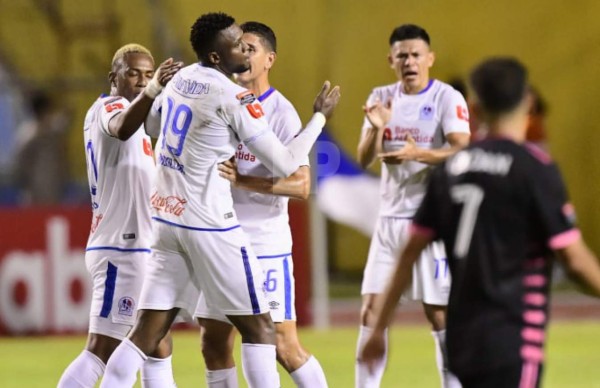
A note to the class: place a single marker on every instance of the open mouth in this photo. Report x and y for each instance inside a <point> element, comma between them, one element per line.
<point>409,73</point>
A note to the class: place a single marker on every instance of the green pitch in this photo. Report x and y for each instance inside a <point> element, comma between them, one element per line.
<point>573,358</point>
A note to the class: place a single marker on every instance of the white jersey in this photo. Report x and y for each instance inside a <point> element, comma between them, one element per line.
<point>428,117</point>
<point>210,114</point>
<point>120,175</point>
<point>263,216</point>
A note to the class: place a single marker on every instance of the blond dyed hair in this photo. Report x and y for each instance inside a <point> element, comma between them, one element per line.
<point>131,48</point>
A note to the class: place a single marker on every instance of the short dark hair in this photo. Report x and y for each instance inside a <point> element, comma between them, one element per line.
<point>264,32</point>
<point>205,30</point>
<point>409,31</point>
<point>500,84</point>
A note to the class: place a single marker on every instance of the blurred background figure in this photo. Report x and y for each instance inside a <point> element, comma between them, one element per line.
<point>41,169</point>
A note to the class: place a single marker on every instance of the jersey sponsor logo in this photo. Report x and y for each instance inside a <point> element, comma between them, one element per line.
<point>129,236</point>
<point>126,306</point>
<point>255,110</point>
<point>478,160</point>
<point>96,222</point>
<point>116,106</point>
<point>171,204</point>
<point>187,86</point>
<point>170,162</point>
<point>426,113</point>
<point>241,155</point>
<point>462,113</point>
<point>147,146</point>
<point>401,134</point>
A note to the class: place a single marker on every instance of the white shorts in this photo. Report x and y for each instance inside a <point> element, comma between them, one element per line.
<point>117,279</point>
<point>219,263</point>
<point>431,275</point>
<point>279,288</point>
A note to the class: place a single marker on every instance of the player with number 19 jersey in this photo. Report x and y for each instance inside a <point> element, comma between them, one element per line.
<point>200,108</point>
<point>120,174</point>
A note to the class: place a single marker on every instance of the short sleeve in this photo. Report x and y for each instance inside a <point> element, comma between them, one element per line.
<point>554,212</point>
<point>455,114</point>
<point>246,117</point>
<point>110,108</point>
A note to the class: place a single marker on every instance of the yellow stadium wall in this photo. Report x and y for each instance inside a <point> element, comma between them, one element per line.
<point>345,41</point>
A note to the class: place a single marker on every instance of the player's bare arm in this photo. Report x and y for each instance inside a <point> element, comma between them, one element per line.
<point>375,347</point>
<point>410,151</point>
<point>125,124</point>
<point>582,266</point>
<point>295,186</point>
<point>370,145</point>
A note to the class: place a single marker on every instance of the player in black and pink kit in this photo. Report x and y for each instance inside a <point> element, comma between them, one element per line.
<point>501,208</point>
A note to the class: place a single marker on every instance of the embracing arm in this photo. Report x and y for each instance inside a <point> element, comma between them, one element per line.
<point>295,186</point>
<point>125,124</point>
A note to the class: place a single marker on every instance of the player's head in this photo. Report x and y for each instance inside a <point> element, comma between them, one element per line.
<point>262,51</point>
<point>411,57</point>
<point>132,69</point>
<point>500,87</point>
<point>217,42</point>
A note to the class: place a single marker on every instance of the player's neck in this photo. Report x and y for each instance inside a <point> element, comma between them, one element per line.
<point>513,127</point>
<point>259,85</point>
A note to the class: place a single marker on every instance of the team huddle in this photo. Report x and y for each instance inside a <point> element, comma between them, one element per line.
<point>197,226</point>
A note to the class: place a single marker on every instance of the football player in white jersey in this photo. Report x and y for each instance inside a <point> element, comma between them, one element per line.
<point>410,125</point>
<point>120,169</point>
<point>197,238</point>
<point>261,204</point>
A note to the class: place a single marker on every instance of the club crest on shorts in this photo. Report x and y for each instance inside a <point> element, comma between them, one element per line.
<point>126,306</point>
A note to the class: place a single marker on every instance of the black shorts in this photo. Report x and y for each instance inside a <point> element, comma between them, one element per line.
<point>522,375</point>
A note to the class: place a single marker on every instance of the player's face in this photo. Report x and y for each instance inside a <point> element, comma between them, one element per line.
<point>232,51</point>
<point>261,60</point>
<point>132,76</point>
<point>411,60</point>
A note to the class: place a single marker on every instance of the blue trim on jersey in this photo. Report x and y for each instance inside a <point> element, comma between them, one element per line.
<point>109,290</point>
<point>266,94</point>
<point>107,248</point>
<point>427,87</point>
<point>250,282</point>
<point>274,256</point>
<point>193,228</point>
<point>287,284</point>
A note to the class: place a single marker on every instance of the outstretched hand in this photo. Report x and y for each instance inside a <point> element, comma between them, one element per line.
<point>327,99</point>
<point>378,114</point>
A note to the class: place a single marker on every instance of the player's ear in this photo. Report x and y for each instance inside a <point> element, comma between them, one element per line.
<point>431,58</point>
<point>112,78</point>
<point>271,57</point>
<point>213,57</point>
